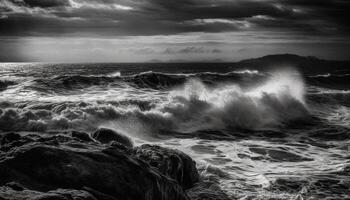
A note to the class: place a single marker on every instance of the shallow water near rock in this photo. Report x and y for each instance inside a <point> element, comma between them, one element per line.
<point>274,134</point>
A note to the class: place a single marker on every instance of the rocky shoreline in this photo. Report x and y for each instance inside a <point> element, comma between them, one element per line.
<point>103,166</point>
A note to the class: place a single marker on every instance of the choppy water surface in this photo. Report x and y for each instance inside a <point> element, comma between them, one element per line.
<point>261,134</point>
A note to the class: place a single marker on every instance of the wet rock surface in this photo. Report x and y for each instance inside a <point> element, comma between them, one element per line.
<point>64,167</point>
<point>59,194</point>
<point>82,136</point>
<point>207,190</point>
<point>105,135</point>
<point>172,163</point>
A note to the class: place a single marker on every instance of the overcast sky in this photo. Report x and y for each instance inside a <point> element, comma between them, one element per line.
<point>171,30</point>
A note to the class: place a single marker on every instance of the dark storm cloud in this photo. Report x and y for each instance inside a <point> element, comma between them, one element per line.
<point>333,10</point>
<point>191,49</point>
<point>46,3</point>
<point>163,17</point>
<point>190,9</point>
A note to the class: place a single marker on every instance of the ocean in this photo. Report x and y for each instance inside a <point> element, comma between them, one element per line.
<point>276,133</point>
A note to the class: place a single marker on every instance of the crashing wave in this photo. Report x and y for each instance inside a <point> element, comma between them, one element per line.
<point>192,107</point>
<point>197,107</point>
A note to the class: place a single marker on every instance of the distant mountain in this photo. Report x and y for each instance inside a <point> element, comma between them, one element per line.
<point>154,61</point>
<point>308,65</point>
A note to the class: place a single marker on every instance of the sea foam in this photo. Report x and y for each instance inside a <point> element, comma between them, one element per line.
<point>277,101</point>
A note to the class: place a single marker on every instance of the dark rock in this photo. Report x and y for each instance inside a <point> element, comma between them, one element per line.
<point>98,195</point>
<point>172,163</point>
<point>207,190</point>
<point>117,147</point>
<point>9,193</point>
<point>81,136</point>
<point>12,140</point>
<point>9,137</point>
<point>15,186</point>
<point>105,135</point>
<point>57,162</point>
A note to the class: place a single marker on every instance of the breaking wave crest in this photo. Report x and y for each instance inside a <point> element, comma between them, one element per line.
<point>197,107</point>
<point>191,107</point>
